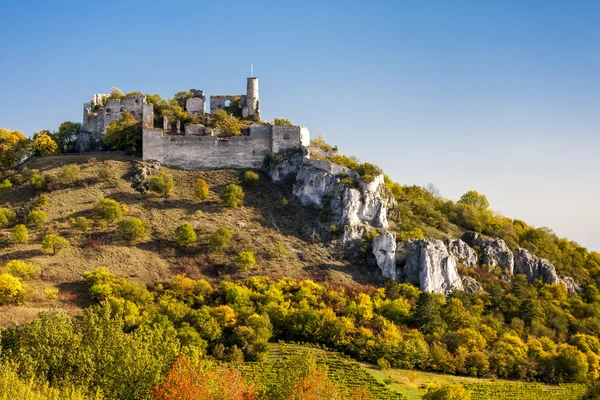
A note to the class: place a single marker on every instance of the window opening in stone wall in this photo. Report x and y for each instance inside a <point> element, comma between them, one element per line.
<point>123,109</point>
<point>227,103</point>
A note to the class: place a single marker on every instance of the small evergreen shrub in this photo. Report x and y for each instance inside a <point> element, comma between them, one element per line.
<point>109,210</point>
<point>233,196</point>
<point>38,181</point>
<point>201,190</point>
<point>5,187</point>
<point>185,235</point>
<point>161,184</point>
<point>12,289</point>
<point>134,230</point>
<point>19,234</point>
<point>220,239</point>
<point>22,269</point>
<point>245,260</point>
<point>54,243</point>
<point>6,217</point>
<point>250,178</point>
<point>36,218</point>
<point>69,174</point>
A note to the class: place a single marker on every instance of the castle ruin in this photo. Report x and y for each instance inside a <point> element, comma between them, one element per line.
<point>193,146</point>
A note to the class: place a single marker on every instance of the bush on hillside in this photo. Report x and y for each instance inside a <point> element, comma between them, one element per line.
<point>54,243</point>
<point>124,134</point>
<point>245,260</point>
<point>161,184</point>
<point>6,217</point>
<point>220,239</point>
<point>201,190</point>
<point>22,269</point>
<point>81,223</point>
<point>20,234</point>
<point>109,210</point>
<point>43,144</point>
<point>282,122</point>
<point>134,230</point>
<point>105,174</point>
<point>5,187</point>
<point>41,202</point>
<point>250,178</point>
<point>36,218</point>
<point>233,196</point>
<point>38,181</point>
<point>227,124</point>
<point>185,235</point>
<point>70,173</point>
<point>12,289</point>
<point>448,392</point>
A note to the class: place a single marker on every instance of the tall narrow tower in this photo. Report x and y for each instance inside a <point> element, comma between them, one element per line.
<point>252,101</point>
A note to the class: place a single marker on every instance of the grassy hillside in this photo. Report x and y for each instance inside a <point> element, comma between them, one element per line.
<point>269,223</point>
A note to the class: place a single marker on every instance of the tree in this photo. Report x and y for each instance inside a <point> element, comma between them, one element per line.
<point>6,217</point>
<point>316,386</point>
<point>38,181</point>
<point>54,243</point>
<point>124,134</point>
<point>11,289</point>
<point>161,184</point>
<point>66,136</point>
<point>233,195</point>
<point>22,269</point>
<point>250,178</point>
<point>245,260</point>
<point>185,235</point>
<point>475,199</point>
<point>227,125</point>
<point>134,230</point>
<point>448,392</point>
<point>5,187</point>
<point>43,144</point>
<point>13,147</point>
<point>201,190</point>
<point>36,218</point>
<point>19,234</point>
<point>220,239</point>
<point>109,209</point>
<point>428,314</point>
<point>282,122</point>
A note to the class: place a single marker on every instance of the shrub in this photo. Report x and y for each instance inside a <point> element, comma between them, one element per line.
<point>220,239</point>
<point>22,269</point>
<point>54,243</point>
<point>41,202</point>
<point>43,144</point>
<point>228,125</point>
<point>447,392</point>
<point>245,260</point>
<point>20,234</point>
<point>109,209</point>
<point>38,181</point>
<point>161,184</point>
<point>250,177</point>
<point>51,293</point>
<point>134,230</point>
<point>185,235</point>
<point>282,122</point>
<point>6,217</point>
<point>201,190</point>
<point>36,218</point>
<point>5,187</point>
<point>475,199</point>
<point>106,174</point>
<point>368,172</point>
<point>233,196</point>
<point>124,134</point>
<point>11,289</point>
<point>69,174</point>
<point>81,223</point>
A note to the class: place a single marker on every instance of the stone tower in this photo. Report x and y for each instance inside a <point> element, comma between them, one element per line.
<point>252,101</point>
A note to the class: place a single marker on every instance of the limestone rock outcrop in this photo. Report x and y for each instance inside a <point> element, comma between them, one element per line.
<point>384,249</point>
<point>532,267</point>
<point>471,285</point>
<point>430,266</point>
<point>286,165</point>
<point>572,286</point>
<point>464,254</point>
<point>494,251</point>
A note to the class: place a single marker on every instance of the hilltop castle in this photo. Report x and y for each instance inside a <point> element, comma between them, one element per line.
<point>194,146</point>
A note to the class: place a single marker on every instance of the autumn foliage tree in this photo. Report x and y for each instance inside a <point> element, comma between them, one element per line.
<point>202,379</point>
<point>43,144</point>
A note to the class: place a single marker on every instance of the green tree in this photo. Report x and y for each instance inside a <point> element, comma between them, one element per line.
<point>475,199</point>
<point>6,217</point>
<point>43,144</point>
<point>185,235</point>
<point>245,260</point>
<point>201,190</point>
<point>36,218</point>
<point>233,195</point>
<point>161,184</point>
<point>109,210</point>
<point>5,187</point>
<point>220,239</point>
<point>13,147</point>
<point>54,243</point>
<point>428,316</point>
<point>124,134</point>
<point>19,234</point>
<point>134,230</point>
<point>38,181</point>
<point>227,125</point>
<point>448,392</point>
<point>66,136</point>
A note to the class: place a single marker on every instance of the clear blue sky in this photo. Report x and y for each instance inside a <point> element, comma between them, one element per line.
<point>498,96</point>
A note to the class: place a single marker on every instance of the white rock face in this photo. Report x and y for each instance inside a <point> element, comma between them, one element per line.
<point>572,286</point>
<point>464,254</point>
<point>532,267</point>
<point>494,251</point>
<point>384,249</point>
<point>471,285</point>
<point>432,267</point>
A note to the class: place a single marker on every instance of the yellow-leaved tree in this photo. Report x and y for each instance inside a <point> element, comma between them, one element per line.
<point>43,144</point>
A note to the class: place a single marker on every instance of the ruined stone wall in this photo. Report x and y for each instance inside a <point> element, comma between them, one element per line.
<point>218,101</point>
<point>97,121</point>
<point>195,152</point>
<point>196,105</point>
